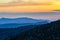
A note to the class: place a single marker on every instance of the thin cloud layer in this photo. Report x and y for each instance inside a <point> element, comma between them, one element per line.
<point>4,2</point>
<point>29,5</point>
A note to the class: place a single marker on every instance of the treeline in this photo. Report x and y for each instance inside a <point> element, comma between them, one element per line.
<point>50,31</point>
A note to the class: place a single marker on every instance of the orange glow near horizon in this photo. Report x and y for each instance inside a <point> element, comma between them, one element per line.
<point>27,6</point>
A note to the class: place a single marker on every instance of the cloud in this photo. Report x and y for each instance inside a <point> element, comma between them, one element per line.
<point>5,1</point>
<point>28,1</point>
<point>28,5</point>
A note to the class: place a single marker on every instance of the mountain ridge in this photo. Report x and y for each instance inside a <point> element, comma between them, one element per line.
<point>7,22</point>
<point>50,31</point>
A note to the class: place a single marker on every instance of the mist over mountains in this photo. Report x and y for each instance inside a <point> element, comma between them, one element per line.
<point>29,28</point>
<point>47,31</point>
<point>12,23</point>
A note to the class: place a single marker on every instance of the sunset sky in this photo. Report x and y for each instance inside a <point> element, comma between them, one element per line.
<point>29,5</point>
<point>20,6</point>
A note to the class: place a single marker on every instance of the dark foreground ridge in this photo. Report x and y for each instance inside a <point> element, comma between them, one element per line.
<point>50,31</point>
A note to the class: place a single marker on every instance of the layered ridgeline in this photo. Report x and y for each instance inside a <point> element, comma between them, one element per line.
<point>13,27</point>
<point>16,22</point>
<point>49,31</point>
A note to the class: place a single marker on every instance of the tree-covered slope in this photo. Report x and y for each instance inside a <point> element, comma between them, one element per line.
<point>50,31</point>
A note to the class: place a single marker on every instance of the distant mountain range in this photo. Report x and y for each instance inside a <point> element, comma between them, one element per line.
<point>49,31</point>
<point>16,22</point>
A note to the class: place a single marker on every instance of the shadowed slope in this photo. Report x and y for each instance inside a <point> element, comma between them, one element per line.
<point>49,31</point>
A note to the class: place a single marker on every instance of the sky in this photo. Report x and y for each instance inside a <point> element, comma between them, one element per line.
<point>29,5</point>
<point>16,8</point>
<point>35,15</point>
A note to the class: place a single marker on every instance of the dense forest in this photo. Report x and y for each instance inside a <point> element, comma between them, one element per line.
<point>50,31</point>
